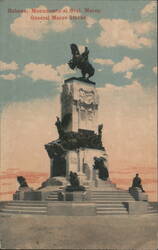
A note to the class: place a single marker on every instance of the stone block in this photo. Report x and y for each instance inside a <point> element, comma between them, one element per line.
<point>71,209</point>
<point>137,207</point>
<point>3,204</point>
<point>32,196</point>
<point>74,196</point>
<point>18,195</point>
<point>44,195</point>
<point>138,194</point>
<point>143,197</point>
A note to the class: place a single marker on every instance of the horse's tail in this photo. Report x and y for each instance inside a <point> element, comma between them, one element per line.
<point>91,70</point>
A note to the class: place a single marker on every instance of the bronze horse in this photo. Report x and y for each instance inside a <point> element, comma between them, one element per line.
<point>81,62</point>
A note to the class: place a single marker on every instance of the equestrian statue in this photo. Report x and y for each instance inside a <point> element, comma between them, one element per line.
<point>81,62</point>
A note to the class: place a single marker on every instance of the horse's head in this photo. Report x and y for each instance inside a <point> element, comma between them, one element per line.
<point>72,64</point>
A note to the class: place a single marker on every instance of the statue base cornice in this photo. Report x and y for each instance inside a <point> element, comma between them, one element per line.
<point>81,79</point>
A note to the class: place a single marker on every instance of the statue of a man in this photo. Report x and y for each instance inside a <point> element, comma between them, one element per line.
<point>59,126</point>
<point>74,181</point>
<point>100,128</point>
<point>137,182</point>
<point>100,165</point>
<point>22,181</point>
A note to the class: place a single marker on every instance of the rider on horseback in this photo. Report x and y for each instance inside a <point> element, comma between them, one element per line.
<point>81,61</point>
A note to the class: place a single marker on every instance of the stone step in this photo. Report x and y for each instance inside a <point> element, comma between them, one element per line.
<point>23,211</point>
<point>111,212</point>
<point>112,199</point>
<point>26,204</point>
<point>116,190</point>
<point>51,199</point>
<point>109,196</point>
<point>112,195</point>
<point>105,185</point>
<point>110,205</point>
<point>151,209</point>
<point>51,195</point>
<point>25,208</point>
<point>109,202</point>
<point>110,192</point>
<point>152,212</point>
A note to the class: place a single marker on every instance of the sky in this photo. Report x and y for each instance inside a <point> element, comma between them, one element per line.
<point>35,48</point>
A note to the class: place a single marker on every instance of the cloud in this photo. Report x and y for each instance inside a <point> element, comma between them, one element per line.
<point>8,76</point>
<point>154,69</point>
<point>121,32</point>
<point>127,64</point>
<point>41,72</point>
<point>47,72</point>
<point>35,29</point>
<point>103,61</point>
<point>128,75</point>
<point>90,21</point>
<point>64,69</point>
<point>149,8</point>
<point>8,66</point>
<point>135,85</point>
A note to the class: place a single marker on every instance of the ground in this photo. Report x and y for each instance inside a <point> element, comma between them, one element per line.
<point>86,232</point>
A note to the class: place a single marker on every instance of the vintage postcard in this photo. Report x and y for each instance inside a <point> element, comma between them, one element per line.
<point>78,124</point>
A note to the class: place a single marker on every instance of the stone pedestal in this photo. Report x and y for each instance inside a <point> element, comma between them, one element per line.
<point>137,207</point>
<point>79,102</point>
<point>30,195</point>
<point>75,196</point>
<point>80,135</point>
<point>138,194</point>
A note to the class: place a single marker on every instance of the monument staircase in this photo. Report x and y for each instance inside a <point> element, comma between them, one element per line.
<point>53,196</point>
<point>107,203</point>
<point>25,207</point>
<point>152,207</point>
<point>111,202</point>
